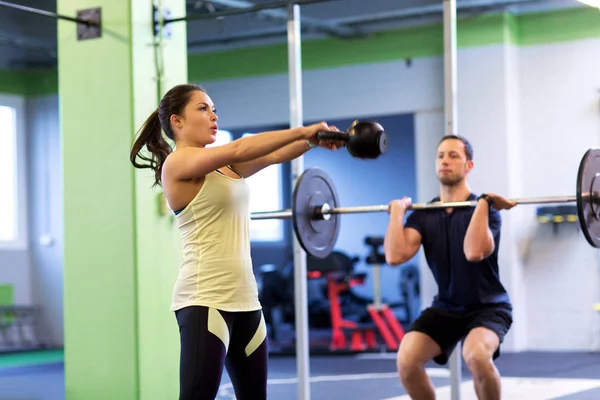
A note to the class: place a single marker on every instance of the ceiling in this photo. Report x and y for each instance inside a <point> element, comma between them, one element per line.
<point>28,41</point>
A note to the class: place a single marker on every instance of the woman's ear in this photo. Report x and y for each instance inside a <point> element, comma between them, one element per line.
<point>175,121</point>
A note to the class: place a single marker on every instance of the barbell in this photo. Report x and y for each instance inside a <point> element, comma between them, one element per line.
<point>316,206</point>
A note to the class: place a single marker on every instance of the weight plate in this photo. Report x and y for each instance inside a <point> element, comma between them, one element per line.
<point>316,235</point>
<point>588,188</point>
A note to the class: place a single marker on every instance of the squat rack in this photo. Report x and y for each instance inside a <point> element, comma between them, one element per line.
<point>297,166</point>
<point>89,26</point>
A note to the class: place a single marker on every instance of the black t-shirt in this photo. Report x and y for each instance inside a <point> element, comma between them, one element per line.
<point>462,285</point>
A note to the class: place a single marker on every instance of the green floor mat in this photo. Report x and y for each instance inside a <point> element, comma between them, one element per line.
<point>31,358</point>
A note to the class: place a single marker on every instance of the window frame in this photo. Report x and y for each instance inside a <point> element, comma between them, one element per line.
<point>21,241</point>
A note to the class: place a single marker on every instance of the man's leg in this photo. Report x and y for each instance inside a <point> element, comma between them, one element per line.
<point>433,335</point>
<point>416,349</point>
<point>478,352</point>
<point>486,330</point>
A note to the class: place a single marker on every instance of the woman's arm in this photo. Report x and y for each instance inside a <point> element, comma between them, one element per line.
<point>194,162</point>
<point>285,154</point>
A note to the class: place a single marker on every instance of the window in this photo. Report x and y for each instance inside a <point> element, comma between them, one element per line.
<point>12,173</point>
<point>8,201</point>
<point>223,137</point>
<point>265,195</point>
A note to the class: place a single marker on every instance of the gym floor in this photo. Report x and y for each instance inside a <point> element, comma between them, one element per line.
<point>531,376</point>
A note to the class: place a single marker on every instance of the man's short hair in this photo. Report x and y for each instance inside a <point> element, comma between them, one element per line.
<point>466,143</point>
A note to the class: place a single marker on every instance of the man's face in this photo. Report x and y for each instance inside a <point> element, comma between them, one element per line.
<point>451,165</point>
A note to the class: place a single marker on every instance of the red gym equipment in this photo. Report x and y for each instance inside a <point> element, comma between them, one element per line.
<point>383,319</point>
<point>379,311</point>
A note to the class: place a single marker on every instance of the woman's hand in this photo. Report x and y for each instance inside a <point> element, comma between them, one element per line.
<point>329,144</point>
<point>310,132</point>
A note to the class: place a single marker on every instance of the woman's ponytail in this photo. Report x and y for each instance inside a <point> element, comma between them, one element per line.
<point>151,136</point>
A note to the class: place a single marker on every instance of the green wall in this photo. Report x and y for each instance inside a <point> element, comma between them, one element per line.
<point>100,311</point>
<point>7,294</point>
<point>422,41</point>
<point>158,243</point>
<point>121,256</point>
<point>29,83</point>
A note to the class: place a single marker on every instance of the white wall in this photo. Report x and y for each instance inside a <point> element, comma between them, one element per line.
<point>46,222</point>
<point>560,120</point>
<point>15,269</point>
<point>347,92</point>
<point>485,90</point>
<point>429,130</point>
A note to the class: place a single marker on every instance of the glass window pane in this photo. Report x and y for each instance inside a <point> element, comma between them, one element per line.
<point>223,137</point>
<point>8,153</point>
<point>265,195</point>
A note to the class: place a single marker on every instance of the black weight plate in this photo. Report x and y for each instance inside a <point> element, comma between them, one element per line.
<point>588,187</point>
<point>317,236</point>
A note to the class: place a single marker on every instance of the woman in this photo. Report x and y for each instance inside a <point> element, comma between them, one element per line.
<point>215,298</point>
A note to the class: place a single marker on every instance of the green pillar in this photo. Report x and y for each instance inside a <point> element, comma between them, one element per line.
<point>121,256</point>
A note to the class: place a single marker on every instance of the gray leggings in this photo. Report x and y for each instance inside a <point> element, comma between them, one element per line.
<point>211,339</point>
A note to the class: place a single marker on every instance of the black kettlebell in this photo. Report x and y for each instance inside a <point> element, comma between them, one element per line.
<point>364,139</point>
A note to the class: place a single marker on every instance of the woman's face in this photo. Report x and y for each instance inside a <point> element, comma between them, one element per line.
<point>198,123</point>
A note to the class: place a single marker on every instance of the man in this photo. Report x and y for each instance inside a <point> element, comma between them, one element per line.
<point>461,248</point>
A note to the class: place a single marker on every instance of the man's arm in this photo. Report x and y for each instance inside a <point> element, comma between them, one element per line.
<point>484,226</point>
<point>479,241</point>
<point>400,244</point>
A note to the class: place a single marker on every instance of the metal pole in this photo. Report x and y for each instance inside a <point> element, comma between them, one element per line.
<point>451,111</point>
<point>300,280</point>
<point>377,287</point>
<point>282,214</point>
<point>244,10</point>
<point>47,13</point>
<point>450,80</point>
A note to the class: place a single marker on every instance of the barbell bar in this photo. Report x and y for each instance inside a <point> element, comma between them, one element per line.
<point>325,210</point>
<point>315,206</point>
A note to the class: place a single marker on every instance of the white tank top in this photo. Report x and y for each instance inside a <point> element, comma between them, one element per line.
<point>217,268</point>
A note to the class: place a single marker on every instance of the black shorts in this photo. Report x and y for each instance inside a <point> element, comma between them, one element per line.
<point>448,328</point>
<point>212,339</point>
